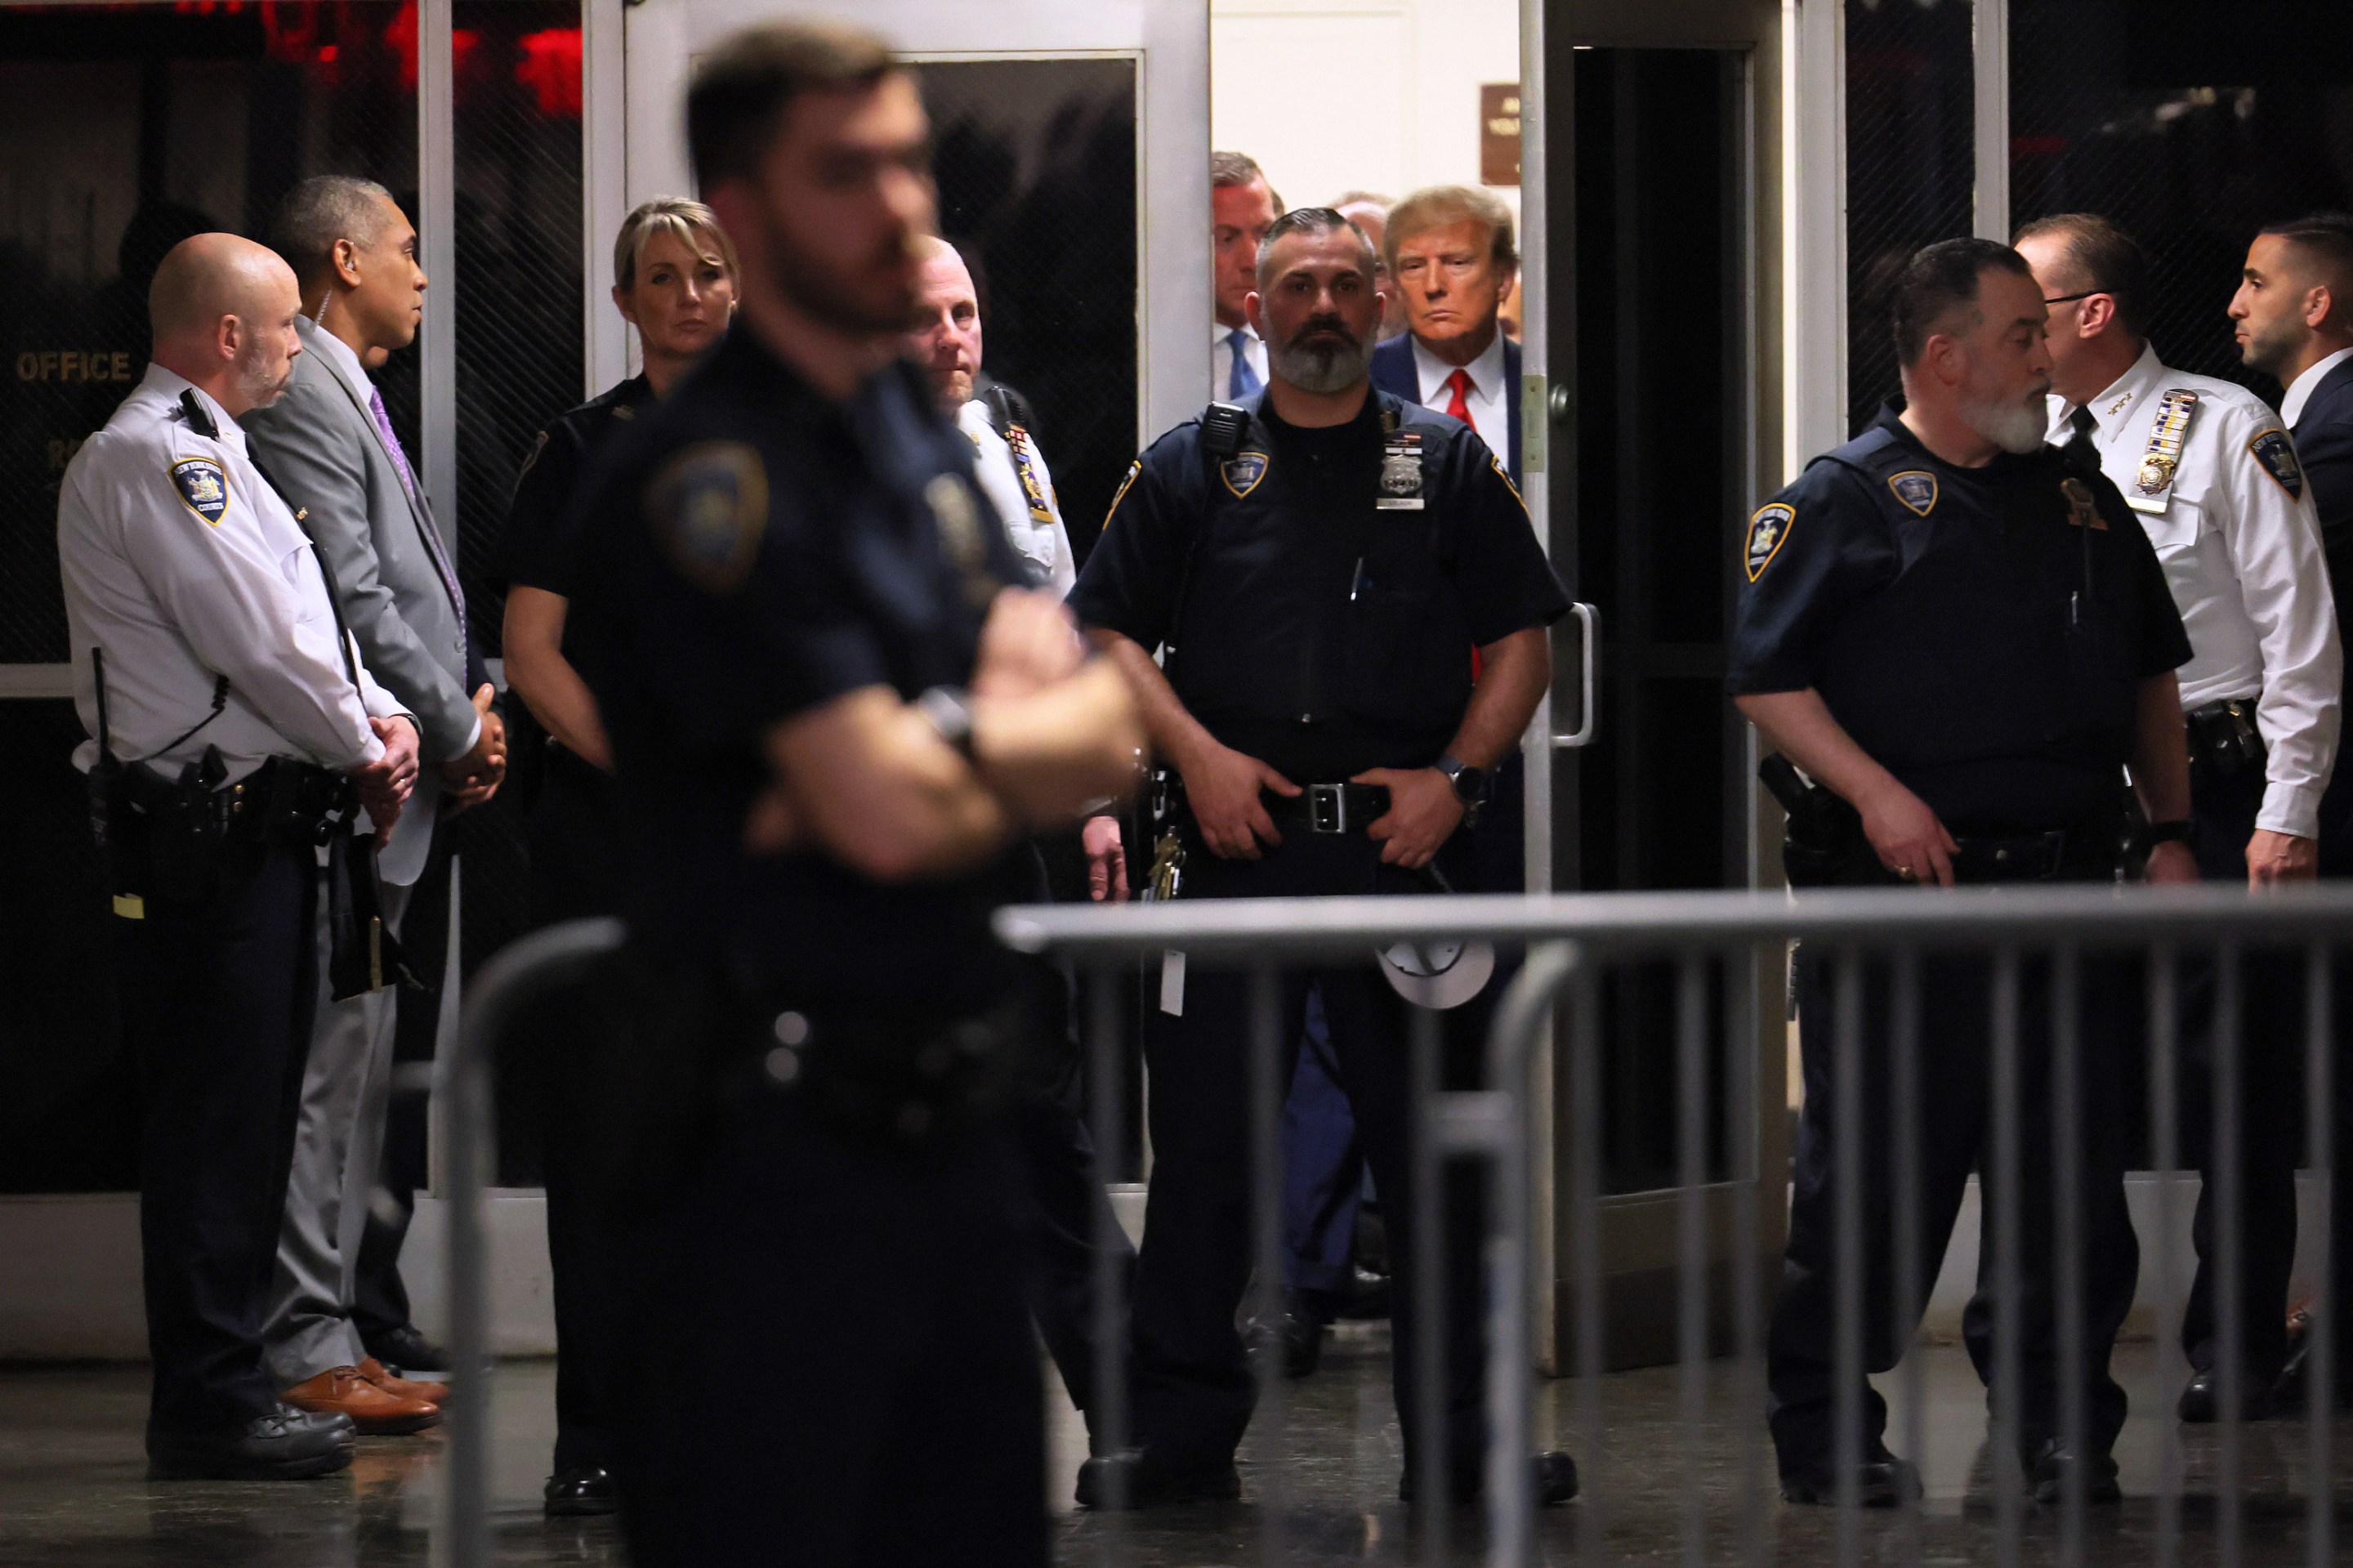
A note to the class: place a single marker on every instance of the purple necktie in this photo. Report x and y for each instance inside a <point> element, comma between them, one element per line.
<point>408,482</point>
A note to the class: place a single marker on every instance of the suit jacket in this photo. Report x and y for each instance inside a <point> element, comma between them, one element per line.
<point>321,443</point>
<point>1394,372</point>
<point>2324,443</point>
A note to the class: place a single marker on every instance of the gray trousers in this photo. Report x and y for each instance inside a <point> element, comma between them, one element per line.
<point>338,1146</point>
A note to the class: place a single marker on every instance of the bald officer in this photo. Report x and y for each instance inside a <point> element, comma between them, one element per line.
<point>234,734</point>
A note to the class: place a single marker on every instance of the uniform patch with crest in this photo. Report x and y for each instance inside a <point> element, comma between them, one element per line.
<point>538,449</point>
<point>709,506</point>
<point>2083,510</point>
<point>1916,489</point>
<point>203,485</point>
<point>1768,530</point>
<point>2277,454</point>
<point>958,519</point>
<point>1242,473</point>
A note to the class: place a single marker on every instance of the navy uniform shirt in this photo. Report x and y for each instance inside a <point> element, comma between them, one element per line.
<point>1982,633</point>
<point>750,551</point>
<point>1323,631</point>
<point>541,545</point>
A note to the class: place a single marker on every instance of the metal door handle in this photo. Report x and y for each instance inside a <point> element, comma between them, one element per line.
<point>1589,631</point>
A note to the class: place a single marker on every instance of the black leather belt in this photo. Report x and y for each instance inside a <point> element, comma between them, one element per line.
<point>1332,807</point>
<point>2223,737</point>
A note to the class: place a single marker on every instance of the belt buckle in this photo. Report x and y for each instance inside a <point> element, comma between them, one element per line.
<point>1327,809</point>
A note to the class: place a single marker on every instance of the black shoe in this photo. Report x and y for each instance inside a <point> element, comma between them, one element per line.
<point>578,1490</point>
<point>2201,1397</point>
<point>1883,1480</point>
<point>408,1353</point>
<point>287,1445</point>
<point>1139,1477</point>
<point>2289,1394</point>
<point>1555,1476</point>
<point>2046,1474</point>
<point>1298,1335</point>
<point>1367,1296</point>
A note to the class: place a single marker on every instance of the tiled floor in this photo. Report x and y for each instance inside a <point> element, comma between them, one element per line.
<point>72,1492</point>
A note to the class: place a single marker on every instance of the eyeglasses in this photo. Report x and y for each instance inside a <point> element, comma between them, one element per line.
<point>2063,299</point>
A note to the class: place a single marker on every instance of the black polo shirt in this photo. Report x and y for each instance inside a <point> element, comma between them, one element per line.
<point>1326,621</point>
<point>540,547</point>
<point>1982,633</point>
<point>752,550</point>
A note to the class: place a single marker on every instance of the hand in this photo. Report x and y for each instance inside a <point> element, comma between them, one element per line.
<point>1909,840</point>
<point>1423,813</point>
<point>384,784</point>
<point>774,823</point>
<point>2171,862</point>
<point>1028,643</point>
<point>470,779</point>
<point>1222,789</point>
<point>1106,860</point>
<point>2280,857</point>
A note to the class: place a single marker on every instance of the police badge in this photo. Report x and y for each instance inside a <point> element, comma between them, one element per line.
<point>2082,511</point>
<point>1916,488</point>
<point>1768,530</point>
<point>1401,484</point>
<point>959,525</point>
<point>709,506</point>
<point>2163,459</point>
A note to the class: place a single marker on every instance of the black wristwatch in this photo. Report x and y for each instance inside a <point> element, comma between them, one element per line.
<point>2173,833</point>
<point>949,711</point>
<point>1470,783</point>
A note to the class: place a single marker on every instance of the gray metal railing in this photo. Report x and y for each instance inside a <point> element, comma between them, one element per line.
<point>1573,942</point>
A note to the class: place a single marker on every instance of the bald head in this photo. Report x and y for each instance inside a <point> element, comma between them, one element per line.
<point>223,310</point>
<point>946,340</point>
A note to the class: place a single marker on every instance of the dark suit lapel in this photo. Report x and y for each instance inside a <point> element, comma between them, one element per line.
<point>1512,362</point>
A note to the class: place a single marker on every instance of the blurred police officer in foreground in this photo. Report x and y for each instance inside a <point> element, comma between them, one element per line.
<point>674,281</point>
<point>2213,479</point>
<point>831,718</point>
<point>1319,563</point>
<point>234,736</point>
<point>1962,640</point>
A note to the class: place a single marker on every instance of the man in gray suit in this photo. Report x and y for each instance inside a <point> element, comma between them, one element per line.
<point>329,444</point>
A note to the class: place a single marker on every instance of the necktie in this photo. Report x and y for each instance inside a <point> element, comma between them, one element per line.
<point>1243,379</point>
<point>408,483</point>
<point>2082,452</point>
<point>1458,401</point>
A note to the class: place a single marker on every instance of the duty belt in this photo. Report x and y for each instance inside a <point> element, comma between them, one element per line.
<point>1333,808</point>
<point>2223,737</point>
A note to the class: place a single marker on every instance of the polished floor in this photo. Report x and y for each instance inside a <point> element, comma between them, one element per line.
<point>72,1492</point>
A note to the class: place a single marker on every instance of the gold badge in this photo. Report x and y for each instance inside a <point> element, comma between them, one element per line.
<point>2083,510</point>
<point>709,506</point>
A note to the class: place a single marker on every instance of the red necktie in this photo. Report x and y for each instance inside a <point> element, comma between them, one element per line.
<point>1458,406</point>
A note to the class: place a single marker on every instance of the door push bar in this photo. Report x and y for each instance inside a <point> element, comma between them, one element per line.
<point>1589,637</point>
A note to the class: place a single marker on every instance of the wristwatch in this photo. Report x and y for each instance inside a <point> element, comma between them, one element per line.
<point>1470,783</point>
<point>2176,831</point>
<point>949,711</point>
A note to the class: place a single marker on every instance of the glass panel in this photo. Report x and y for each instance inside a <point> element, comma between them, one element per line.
<point>1910,166</point>
<point>2191,128</point>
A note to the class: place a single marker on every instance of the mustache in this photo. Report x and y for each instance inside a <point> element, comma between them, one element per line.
<point>1329,324</point>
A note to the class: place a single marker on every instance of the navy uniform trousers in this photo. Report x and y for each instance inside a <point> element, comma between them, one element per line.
<point>1194,1390</point>
<point>218,1003</point>
<point>1954,1113</point>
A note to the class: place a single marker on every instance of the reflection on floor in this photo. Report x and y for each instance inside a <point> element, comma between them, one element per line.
<point>72,1488</point>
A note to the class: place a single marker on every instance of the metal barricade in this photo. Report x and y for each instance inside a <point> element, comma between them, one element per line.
<point>2029,942</point>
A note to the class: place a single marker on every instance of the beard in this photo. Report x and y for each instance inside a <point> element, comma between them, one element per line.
<point>2272,349</point>
<point>1334,361</point>
<point>863,297</point>
<point>2015,425</point>
<point>259,382</point>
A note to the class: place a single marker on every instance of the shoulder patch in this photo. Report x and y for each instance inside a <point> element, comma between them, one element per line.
<point>709,506</point>
<point>537,448</point>
<point>1916,488</point>
<point>1242,473</point>
<point>2277,454</point>
<point>1120,494</point>
<point>204,487</point>
<point>1768,530</point>
<point>1505,475</point>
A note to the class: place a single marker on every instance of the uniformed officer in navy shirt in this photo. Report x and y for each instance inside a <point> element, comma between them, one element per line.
<point>1965,641</point>
<point>1318,563</point>
<point>833,720</point>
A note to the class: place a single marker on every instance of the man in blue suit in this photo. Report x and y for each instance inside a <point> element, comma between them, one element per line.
<point>1451,254</point>
<point>2294,312</point>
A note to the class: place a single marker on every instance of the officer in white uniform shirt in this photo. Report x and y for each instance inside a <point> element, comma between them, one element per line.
<point>2215,480</point>
<point>235,737</point>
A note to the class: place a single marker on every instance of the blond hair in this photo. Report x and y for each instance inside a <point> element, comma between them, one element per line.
<point>1437,206</point>
<point>682,219</point>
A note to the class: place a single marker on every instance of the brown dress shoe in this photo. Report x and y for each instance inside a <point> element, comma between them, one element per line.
<point>377,1412</point>
<point>433,1393</point>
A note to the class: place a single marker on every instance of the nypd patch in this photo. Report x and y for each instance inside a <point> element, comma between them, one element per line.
<point>1768,530</point>
<point>1916,489</point>
<point>709,506</point>
<point>2277,454</point>
<point>1242,473</point>
<point>203,485</point>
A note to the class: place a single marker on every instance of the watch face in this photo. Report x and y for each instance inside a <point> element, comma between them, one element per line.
<point>1470,783</point>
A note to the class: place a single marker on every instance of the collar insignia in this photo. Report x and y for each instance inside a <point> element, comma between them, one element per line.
<point>1768,530</point>
<point>1916,488</point>
<point>1242,473</point>
<point>2277,454</point>
<point>204,486</point>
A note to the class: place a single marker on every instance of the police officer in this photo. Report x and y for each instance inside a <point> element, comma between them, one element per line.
<point>1319,562</point>
<point>1963,640</point>
<point>831,720</point>
<point>2212,478</point>
<point>234,734</point>
<point>674,281</point>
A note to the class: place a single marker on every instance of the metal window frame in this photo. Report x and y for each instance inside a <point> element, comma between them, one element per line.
<point>1989,69</point>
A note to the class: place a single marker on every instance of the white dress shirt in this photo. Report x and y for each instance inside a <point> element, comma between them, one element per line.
<point>2242,556</point>
<point>1044,545</point>
<point>2300,390</point>
<point>1221,358</point>
<point>178,599</point>
<point>1490,399</point>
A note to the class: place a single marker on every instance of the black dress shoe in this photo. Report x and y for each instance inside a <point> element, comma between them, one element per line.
<point>1555,1475</point>
<point>577,1491</point>
<point>2046,1474</point>
<point>409,1355</point>
<point>1140,1477</point>
<point>2288,1395</point>
<point>287,1445</point>
<point>1298,1335</point>
<point>2201,1397</point>
<point>1883,1481</point>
